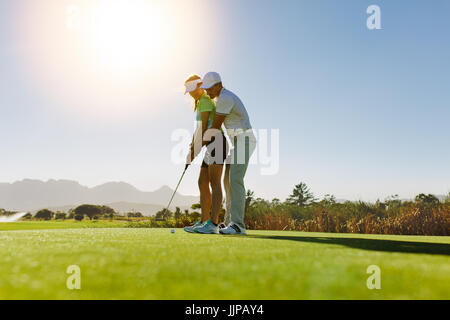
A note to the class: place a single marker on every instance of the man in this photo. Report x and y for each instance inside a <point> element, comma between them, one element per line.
<point>231,112</point>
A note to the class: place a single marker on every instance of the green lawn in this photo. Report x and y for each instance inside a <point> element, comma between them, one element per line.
<point>124,263</point>
<point>68,224</point>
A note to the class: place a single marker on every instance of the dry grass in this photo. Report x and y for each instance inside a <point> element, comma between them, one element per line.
<point>414,219</point>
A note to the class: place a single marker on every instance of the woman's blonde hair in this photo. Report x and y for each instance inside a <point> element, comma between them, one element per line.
<point>192,78</point>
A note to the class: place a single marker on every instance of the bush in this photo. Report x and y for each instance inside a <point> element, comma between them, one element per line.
<point>44,214</point>
<point>89,210</point>
<point>135,215</point>
<point>78,217</point>
<point>60,216</point>
<point>28,216</point>
<point>105,210</point>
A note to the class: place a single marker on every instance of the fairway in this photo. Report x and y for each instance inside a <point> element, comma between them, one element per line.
<point>125,263</point>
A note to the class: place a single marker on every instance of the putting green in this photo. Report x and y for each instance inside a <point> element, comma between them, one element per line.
<point>124,263</point>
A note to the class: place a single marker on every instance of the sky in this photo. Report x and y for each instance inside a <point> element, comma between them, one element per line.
<point>92,91</point>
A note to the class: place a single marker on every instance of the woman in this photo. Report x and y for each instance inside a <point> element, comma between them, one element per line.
<point>212,166</point>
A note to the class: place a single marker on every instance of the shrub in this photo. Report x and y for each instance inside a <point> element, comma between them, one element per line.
<point>135,215</point>
<point>44,214</point>
<point>89,210</point>
<point>28,216</point>
<point>60,216</point>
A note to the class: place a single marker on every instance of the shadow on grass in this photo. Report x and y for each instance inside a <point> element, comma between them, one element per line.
<point>369,244</point>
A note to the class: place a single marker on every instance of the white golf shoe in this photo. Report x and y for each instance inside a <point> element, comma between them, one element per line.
<point>233,229</point>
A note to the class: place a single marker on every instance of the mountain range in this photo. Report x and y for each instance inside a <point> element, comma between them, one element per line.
<point>32,195</point>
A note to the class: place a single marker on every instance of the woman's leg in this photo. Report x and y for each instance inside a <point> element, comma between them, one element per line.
<point>215,179</point>
<point>205,193</point>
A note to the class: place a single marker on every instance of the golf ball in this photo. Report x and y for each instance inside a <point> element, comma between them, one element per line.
<point>173,231</point>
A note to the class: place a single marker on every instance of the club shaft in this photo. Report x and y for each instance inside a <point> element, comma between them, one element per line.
<point>176,189</point>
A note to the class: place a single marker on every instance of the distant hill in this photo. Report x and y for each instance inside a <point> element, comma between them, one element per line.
<point>32,195</point>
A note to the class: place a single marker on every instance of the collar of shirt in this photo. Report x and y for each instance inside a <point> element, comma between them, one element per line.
<point>221,91</point>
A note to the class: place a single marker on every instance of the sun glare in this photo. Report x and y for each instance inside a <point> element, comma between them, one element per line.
<point>109,57</point>
<point>127,34</point>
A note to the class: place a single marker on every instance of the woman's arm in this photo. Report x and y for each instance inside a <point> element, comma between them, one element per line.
<point>196,145</point>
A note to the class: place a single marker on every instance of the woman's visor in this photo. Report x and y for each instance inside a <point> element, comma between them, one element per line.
<point>192,85</point>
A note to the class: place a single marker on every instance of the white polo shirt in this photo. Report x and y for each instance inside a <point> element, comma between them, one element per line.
<point>236,119</point>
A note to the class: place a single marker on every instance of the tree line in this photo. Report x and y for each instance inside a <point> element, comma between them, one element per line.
<point>301,211</point>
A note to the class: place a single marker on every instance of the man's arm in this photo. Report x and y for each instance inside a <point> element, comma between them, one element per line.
<point>218,121</point>
<point>224,106</point>
<point>217,124</point>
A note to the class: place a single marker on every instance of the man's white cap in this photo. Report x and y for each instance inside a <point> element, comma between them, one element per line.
<point>210,79</point>
<point>192,85</point>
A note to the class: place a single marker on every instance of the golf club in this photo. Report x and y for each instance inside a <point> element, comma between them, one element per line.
<point>174,192</point>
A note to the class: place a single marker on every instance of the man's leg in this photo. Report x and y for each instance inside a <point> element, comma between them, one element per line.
<point>237,173</point>
<point>227,187</point>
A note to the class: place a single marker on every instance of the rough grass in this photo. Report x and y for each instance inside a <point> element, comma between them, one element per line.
<point>125,263</point>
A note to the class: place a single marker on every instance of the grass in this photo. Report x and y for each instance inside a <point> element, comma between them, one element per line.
<point>68,224</point>
<point>124,263</point>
